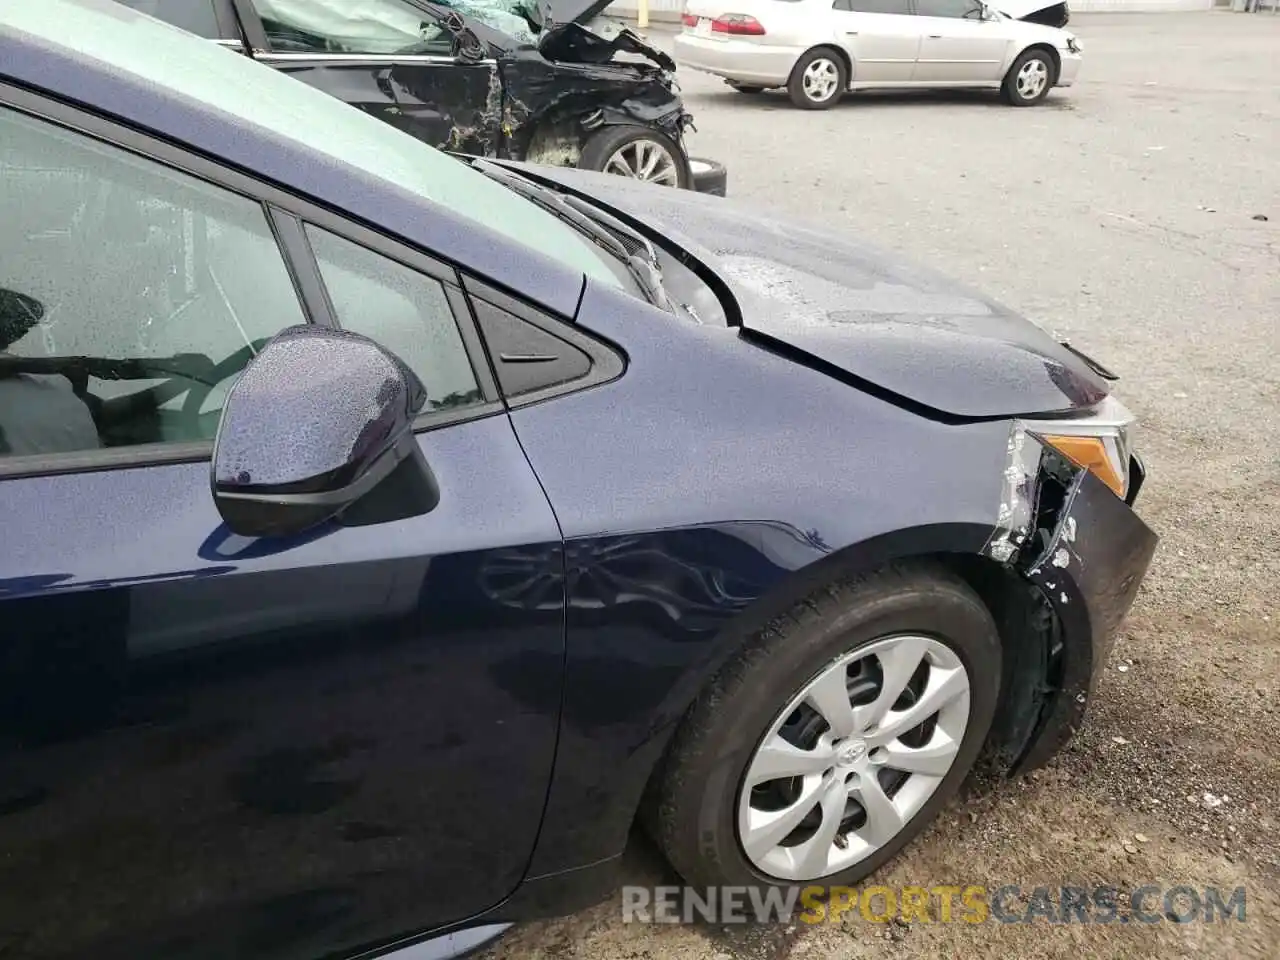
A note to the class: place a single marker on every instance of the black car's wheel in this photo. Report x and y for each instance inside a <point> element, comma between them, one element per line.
<point>834,737</point>
<point>637,152</point>
<point>746,88</point>
<point>1030,79</point>
<point>818,79</point>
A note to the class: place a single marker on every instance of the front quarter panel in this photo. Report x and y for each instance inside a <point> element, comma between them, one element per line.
<point>689,491</point>
<point>552,109</point>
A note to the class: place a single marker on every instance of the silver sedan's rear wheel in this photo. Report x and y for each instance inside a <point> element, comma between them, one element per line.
<point>818,79</point>
<point>835,736</point>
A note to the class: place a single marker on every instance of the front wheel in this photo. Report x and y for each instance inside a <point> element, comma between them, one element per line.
<point>1030,78</point>
<point>835,737</point>
<point>636,152</point>
<point>817,80</point>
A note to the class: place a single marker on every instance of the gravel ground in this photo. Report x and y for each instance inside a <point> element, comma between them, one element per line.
<point>1124,214</point>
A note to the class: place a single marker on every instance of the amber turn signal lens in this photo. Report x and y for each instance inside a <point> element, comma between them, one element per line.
<point>1090,453</point>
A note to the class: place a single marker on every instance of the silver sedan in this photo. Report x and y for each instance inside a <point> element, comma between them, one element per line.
<point>819,49</point>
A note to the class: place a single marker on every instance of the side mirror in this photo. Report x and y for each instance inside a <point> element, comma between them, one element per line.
<point>317,420</point>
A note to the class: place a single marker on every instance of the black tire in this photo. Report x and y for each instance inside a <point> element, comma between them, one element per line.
<point>795,85</point>
<point>709,176</point>
<point>597,151</point>
<point>1012,95</point>
<point>746,88</point>
<point>694,803</point>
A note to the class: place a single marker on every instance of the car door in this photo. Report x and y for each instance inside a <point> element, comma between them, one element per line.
<point>881,37</point>
<point>388,58</point>
<point>957,45</point>
<point>213,746</point>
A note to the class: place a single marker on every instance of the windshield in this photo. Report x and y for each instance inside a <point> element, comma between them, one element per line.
<point>134,43</point>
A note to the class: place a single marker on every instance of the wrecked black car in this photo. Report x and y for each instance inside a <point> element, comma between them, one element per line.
<point>546,81</point>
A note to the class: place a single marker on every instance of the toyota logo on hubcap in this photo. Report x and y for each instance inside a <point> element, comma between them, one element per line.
<point>851,753</point>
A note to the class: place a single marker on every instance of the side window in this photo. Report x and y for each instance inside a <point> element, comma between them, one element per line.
<point>403,310</point>
<point>131,295</point>
<point>194,16</point>
<point>370,27</point>
<point>955,9</point>
<point>874,6</point>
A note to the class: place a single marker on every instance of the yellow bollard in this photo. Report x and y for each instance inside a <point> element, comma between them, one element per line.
<point>642,13</point>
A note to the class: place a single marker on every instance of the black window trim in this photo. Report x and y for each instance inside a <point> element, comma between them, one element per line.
<point>278,205</point>
<point>608,363</point>
<point>224,21</point>
<point>255,33</point>
<point>291,238</point>
<point>228,25</point>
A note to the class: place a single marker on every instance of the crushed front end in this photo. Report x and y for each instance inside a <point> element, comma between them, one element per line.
<point>1075,553</point>
<point>553,108</point>
<point>582,79</point>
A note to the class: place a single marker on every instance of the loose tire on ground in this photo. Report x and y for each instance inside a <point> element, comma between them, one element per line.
<point>709,176</point>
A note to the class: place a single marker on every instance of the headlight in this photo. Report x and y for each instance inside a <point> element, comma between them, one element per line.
<point>1099,442</point>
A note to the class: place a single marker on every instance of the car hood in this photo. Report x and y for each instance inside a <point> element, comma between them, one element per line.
<point>858,312</point>
<point>1055,13</point>
<point>1017,9</point>
<point>573,42</point>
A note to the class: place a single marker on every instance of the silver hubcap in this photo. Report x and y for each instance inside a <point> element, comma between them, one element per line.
<point>853,757</point>
<point>1032,79</point>
<point>644,160</point>
<point>820,80</point>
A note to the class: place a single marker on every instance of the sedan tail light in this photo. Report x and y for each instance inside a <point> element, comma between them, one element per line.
<point>737,23</point>
<point>689,20</point>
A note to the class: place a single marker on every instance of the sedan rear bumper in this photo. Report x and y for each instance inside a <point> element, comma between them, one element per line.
<point>739,60</point>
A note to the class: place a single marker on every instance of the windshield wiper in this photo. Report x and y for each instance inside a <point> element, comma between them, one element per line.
<point>605,231</point>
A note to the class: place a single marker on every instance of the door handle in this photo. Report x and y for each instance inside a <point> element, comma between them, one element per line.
<point>851,33</point>
<point>934,36</point>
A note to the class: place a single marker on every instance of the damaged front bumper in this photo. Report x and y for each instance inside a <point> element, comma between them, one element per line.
<point>1081,553</point>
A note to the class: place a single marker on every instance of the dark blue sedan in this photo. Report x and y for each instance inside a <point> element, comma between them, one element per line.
<point>385,532</point>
